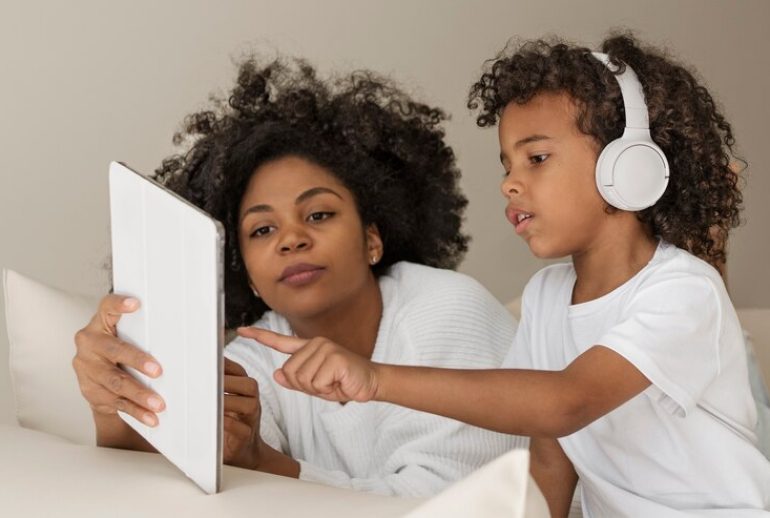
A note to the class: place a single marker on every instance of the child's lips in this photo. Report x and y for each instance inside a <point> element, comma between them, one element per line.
<point>520,219</point>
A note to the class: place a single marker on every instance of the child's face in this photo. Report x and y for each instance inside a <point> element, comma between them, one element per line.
<point>550,184</point>
<point>302,239</point>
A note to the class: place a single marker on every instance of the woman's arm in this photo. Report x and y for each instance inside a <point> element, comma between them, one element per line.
<point>414,454</point>
<point>554,473</point>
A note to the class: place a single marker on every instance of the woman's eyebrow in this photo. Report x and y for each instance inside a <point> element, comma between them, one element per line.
<point>315,191</point>
<point>257,208</point>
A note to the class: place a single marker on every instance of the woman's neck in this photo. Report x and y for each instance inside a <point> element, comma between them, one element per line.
<point>612,260</point>
<point>353,324</point>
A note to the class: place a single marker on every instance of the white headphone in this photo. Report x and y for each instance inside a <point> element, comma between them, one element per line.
<point>632,171</point>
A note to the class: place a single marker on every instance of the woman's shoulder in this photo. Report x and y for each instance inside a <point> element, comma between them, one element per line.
<point>416,285</point>
<point>444,318</point>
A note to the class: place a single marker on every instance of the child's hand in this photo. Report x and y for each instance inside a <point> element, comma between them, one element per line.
<point>241,419</point>
<point>320,367</point>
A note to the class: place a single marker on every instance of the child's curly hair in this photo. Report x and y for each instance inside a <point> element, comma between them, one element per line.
<point>702,201</point>
<point>387,149</point>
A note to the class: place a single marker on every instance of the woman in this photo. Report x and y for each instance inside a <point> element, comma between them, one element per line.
<point>341,206</point>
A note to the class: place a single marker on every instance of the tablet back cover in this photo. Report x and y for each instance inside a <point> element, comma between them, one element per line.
<point>168,254</point>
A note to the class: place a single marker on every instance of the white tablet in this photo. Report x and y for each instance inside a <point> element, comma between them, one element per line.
<point>168,254</point>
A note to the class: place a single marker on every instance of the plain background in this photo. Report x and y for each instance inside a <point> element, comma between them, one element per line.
<point>86,82</point>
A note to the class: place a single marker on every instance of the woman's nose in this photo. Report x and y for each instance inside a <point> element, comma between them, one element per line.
<point>294,239</point>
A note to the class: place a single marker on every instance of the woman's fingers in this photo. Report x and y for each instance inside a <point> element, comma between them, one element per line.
<point>115,351</point>
<point>241,385</point>
<point>106,402</point>
<point>111,307</point>
<point>247,407</point>
<point>237,435</point>
<point>234,368</point>
<point>121,384</point>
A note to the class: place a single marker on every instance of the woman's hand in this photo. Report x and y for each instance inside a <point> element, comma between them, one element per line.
<point>241,420</point>
<point>243,445</point>
<point>106,386</point>
<point>320,367</point>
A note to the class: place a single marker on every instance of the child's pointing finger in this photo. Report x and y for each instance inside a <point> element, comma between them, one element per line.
<point>283,343</point>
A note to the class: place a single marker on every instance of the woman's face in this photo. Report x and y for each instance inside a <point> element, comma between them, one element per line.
<point>302,239</point>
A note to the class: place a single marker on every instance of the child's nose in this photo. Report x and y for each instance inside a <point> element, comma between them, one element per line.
<point>510,186</point>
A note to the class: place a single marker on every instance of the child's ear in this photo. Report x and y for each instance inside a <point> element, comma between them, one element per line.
<point>374,247</point>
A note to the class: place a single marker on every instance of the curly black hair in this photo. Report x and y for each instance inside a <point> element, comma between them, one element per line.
<point>387,149</point>
<point>703,199</point>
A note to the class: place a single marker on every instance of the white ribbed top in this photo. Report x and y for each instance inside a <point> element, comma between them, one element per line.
<point>430,317</point>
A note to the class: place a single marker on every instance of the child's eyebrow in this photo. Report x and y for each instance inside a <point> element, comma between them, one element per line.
<point>531,138</point>
<point>526,140</point>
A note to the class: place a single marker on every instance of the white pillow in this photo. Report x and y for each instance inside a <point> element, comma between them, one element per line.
<point>501,488</point>
<point>41,323</point>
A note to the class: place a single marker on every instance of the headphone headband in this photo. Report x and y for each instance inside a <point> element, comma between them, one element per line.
<point>632,92</point>
<point>632,171</point>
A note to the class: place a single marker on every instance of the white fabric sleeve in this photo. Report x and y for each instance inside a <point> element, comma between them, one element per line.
<point>271,427</point>
<point>670,331</point>
<point>456,324</point>
<point>428,453</point>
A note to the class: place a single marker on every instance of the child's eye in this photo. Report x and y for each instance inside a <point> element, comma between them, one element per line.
<point>320,216</point>
<point>538,159</point>
<point>261,231</point>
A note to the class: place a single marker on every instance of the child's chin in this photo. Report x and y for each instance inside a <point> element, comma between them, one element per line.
<point>542,252</point>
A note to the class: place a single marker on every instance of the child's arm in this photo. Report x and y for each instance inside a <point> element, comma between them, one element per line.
<point>521,402</point>
<point>554,474</point>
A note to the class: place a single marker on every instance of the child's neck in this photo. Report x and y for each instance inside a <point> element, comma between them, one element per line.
<point>611,262</point>
<point>353,325</point>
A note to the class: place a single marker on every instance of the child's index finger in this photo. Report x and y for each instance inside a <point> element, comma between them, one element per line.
<point>283,343</point>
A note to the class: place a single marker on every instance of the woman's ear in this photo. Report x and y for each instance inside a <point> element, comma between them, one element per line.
<point>374,247</point>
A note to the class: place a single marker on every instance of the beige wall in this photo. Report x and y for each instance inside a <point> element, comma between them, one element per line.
<point>83,83</point>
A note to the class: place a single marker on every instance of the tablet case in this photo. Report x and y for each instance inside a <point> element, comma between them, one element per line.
<point>168,254</point>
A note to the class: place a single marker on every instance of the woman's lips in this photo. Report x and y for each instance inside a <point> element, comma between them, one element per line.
<point>301,274</point>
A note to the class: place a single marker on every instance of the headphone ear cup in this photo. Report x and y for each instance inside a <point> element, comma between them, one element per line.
<point>631,175</point>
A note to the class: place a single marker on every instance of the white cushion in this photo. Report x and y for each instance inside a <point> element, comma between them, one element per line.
<point>501,488</point>
<point>41,323</point>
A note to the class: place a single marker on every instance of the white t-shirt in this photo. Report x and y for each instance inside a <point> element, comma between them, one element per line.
<point>686,446</point>
<point>430,317</point>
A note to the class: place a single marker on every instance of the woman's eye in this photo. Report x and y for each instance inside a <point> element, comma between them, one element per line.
<point>538,159</point>
<point>320,216</point>
<point>261,231</point>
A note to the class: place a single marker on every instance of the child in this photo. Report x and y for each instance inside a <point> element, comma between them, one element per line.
<point>341,205</point>
<point>628,368</point>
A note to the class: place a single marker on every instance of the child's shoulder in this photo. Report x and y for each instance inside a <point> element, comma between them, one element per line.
<point>673,262</point>
<point>551,277</point>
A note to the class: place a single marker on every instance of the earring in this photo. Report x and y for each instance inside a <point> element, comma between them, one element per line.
<point>373,260</point>
<point>255,292</point>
